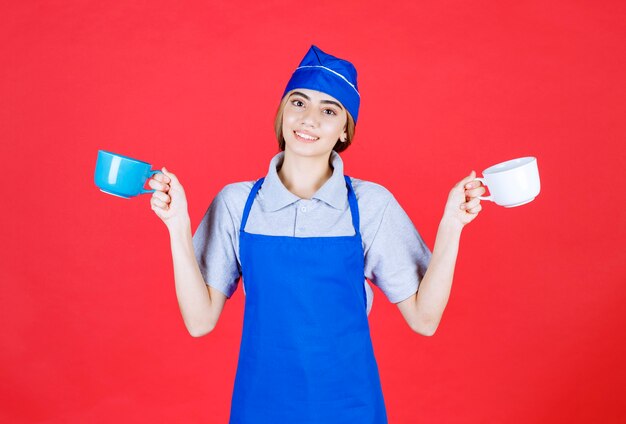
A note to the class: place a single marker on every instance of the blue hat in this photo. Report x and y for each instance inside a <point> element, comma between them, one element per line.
<point>329,74</point>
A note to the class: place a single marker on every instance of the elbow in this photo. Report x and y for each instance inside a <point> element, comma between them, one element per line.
<point>427,331</point>
<point>199,330</point>
<point>426,328</point>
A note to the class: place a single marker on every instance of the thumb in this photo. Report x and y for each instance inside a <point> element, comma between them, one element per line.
<point>467,179</point>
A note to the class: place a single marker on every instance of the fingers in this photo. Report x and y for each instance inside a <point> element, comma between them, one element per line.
<point>473,184</point>
<point>160,176</point>
<point>471,204</point>
<point>171,177</point>
<point>473,187</point>
<point>466,194</point>
<point>475,192</point>
<point>160,200</point>
<point>475,209</point>
<point>163,180</point>
<point>164,197</point>
<point>158,185</point>
<point>167,187</point>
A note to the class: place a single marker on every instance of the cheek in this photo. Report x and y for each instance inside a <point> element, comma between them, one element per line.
<point>285,123</point>
<point>333,129</point>
<point>288,119</point>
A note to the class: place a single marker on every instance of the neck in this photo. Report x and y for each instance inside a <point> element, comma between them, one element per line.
<point>304,176</point>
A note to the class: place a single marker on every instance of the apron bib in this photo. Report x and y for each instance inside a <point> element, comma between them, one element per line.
<point>306,355</point>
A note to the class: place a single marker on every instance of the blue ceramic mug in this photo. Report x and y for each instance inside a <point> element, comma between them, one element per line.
<point>122,176</point>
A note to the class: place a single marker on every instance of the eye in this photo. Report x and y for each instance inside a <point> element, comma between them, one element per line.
<point>297,102</point>
<point>330,112</point>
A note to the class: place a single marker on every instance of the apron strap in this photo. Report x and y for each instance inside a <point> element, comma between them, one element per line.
<point>251,196</point>
<point>354,206</point>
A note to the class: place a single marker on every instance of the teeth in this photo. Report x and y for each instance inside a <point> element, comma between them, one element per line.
<point>305,136</point>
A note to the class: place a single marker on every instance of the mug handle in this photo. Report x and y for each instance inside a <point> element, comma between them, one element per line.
<point>490,197</point>
<point>143,190</point>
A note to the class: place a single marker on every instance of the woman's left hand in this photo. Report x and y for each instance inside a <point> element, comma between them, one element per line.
<point>463,204</point>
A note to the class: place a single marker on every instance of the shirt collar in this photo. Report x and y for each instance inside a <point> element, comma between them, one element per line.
<point>276,196</point>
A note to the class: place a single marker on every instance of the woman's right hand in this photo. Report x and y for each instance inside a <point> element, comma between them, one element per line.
<point>168,200</point>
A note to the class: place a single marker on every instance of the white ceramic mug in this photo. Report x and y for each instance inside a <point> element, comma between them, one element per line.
<point>512,183</point>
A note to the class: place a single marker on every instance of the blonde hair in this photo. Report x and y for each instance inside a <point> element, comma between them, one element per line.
<point>340,146</point>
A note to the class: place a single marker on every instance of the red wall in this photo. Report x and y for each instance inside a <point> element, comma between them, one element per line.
<point>534,329</point>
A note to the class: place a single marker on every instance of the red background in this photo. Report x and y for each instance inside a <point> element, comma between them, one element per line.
<point>534,331</point>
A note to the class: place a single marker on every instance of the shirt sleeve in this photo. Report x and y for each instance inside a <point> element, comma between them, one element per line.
<point>397,258</point>
<point>214,244</point>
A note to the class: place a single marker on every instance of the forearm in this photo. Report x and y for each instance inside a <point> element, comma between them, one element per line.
<point>423,310</point>
<point>193,295</point>
<point>434,290</point>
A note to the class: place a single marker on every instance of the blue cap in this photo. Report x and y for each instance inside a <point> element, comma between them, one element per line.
<point>329,74</point>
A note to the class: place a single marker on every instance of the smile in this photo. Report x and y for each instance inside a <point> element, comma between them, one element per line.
<point>305,137</point>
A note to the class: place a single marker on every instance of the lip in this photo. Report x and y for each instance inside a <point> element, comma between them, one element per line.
<point>305,140</point>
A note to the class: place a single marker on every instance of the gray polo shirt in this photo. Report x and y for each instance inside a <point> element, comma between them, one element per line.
<point>396,257</point>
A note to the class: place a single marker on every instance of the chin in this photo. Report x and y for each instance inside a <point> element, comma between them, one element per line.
<point>306,149</point>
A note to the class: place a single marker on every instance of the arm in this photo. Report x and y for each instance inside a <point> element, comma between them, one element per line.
<point>200,305</point>
<point>423,310</point>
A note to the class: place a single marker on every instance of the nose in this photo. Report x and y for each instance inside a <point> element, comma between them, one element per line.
<point>309,117</point>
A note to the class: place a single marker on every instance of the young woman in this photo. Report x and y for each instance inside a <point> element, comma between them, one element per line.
<point>304,238</point>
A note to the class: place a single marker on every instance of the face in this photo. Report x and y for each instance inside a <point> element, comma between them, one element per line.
<point>313,122</point>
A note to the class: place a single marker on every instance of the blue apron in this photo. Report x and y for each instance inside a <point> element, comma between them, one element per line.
<point>306,355</point>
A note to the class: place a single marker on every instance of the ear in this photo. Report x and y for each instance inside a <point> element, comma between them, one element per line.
<point>344,136</point>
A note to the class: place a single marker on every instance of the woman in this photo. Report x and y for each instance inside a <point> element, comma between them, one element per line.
<point>304,238</point>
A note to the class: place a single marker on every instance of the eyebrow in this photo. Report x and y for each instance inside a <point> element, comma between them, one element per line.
<point>297,93</point>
